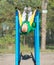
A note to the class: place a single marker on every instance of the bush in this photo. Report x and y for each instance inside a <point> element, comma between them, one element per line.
<point>6,41</point>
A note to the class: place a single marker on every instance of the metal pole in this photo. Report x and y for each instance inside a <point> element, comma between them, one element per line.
<point>36,39</point>
<point>17,55</point>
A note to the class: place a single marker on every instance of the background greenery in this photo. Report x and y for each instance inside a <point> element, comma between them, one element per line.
<point>7,24</point>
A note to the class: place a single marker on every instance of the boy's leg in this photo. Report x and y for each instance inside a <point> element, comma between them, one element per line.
<point>29,15</point>
<point>24,16</point>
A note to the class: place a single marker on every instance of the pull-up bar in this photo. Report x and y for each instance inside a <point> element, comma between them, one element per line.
<point>36,39</point>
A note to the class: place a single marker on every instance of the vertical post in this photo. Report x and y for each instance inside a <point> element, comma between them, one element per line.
<point>36,39</point>
<point>44,24</point>
<point>17,55</point>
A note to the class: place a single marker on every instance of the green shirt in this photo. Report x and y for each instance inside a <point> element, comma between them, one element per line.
<point>30,27</point>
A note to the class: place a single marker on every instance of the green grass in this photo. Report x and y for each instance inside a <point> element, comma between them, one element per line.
<point>47,50</point>
<point>50,47</point>
<point>25,49</point>
<point>7,50</point>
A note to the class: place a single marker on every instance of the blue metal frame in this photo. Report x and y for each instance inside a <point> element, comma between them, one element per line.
<point>36,39</point>
<point>17,55</point>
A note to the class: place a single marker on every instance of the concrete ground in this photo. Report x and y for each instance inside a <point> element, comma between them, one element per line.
<point>9,59</point>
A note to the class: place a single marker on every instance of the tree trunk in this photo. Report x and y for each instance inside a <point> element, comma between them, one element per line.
<point>43,33</point>
<point>24,41</point>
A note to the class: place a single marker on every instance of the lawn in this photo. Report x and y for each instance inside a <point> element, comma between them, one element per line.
<point>25,49</point>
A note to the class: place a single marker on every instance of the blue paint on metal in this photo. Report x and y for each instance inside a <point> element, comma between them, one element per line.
<point>36,39</point>
<point>17,55</point>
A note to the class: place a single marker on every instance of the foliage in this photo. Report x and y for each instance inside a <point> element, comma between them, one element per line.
<point>50,22</point>
<point>7,16</point>
<point>51,14</point>
<point>6,41</point>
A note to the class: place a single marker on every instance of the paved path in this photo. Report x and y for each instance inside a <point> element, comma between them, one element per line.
<point>9,59</point>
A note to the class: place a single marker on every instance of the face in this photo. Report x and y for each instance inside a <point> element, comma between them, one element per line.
<point>24,28</point>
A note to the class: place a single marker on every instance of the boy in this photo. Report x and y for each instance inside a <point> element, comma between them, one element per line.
<point>25,26</point>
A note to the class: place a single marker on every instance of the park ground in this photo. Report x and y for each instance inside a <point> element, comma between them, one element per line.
<point>46,58</point>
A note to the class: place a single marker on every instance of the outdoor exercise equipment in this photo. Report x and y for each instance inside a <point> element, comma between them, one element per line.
<point>36,21</point>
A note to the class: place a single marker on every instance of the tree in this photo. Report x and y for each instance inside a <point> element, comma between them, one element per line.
<point>50,23</point>
<point>44,16</point>
<point>7,11</point>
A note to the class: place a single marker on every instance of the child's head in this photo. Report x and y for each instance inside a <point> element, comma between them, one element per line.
<point>24,28</point>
